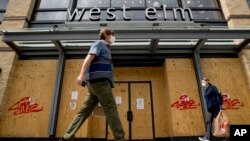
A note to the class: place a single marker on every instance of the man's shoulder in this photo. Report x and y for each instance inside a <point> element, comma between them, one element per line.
<point>99,43</point>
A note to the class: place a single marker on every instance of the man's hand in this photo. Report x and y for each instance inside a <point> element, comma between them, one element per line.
<point>80,79</point>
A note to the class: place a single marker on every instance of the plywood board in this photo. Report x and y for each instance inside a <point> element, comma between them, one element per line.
<point>96,127</point>
<point>160,94</point>
<point>185,113</point>
<point>142,114</point>
<point>228,76</point>
<point>28,99</point>
<point>121,91</point>
<point>66,114</point>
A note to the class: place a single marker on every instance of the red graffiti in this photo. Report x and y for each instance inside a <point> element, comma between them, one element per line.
<point>25,105</point>
<point>229,103</point>
<point>184,103</point>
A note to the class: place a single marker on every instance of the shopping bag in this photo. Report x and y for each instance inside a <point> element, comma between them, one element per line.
<point>221,125</point>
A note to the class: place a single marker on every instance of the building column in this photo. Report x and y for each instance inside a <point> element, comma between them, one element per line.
<point>237,14</point>
<point>17,16</point>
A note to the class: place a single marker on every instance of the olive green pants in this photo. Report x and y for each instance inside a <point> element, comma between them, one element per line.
<point>98,92</point>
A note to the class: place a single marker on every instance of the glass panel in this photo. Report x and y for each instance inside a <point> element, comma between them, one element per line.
<point>158,3</point>
<point>128,3</point>
<point>93,3</point>
<point>54,3</point>
<point>169,15</point>
<point>140,15</point>
<point>220,42</point>
<point>3,4</point>
<point>207,15</point>
<point>132,14</point>
<point>200,3</point>
<point>76,43</point>
<point>178,42</point>
<point>34,44</point>
<point>248,1</point>
<point>45,16</point>
<point>102,16</point>
<point>131,43</point>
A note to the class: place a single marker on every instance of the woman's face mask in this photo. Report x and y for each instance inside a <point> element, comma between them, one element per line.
<point>112,39</point>
<point>203,83</point>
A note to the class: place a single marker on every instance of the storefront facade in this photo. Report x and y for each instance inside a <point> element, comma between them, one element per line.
<point>163,49</point>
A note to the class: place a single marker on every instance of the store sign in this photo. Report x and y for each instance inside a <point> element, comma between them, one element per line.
<point>150,13</point>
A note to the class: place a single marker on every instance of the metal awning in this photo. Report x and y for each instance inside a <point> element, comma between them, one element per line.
<point>147,43</point>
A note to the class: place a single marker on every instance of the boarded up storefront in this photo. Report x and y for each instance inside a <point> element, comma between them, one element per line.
<point>28,99</point>
<point>164,101</point>
<point>227,74</point>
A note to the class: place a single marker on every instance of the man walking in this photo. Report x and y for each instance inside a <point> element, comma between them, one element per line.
<point>97,72</point>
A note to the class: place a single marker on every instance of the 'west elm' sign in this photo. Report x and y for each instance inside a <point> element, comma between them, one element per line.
<point>150,13</point>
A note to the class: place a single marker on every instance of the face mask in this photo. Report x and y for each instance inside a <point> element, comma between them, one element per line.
<point>203,84</point>
<point>112,39</point>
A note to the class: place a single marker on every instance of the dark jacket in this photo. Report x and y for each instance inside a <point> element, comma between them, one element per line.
<point>213,97</point>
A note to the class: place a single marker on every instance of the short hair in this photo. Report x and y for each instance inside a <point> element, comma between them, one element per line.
<point>106,31</point>
<point>205,79</point>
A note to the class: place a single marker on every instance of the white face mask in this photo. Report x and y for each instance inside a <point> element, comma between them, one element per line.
<point>112,39</point>
<point>203,84</point>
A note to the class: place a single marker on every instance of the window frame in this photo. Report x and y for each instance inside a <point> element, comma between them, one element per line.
<point>48,22</point>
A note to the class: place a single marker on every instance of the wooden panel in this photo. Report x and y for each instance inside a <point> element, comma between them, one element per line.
<point>228,75</point>
<point>28,99</point>
<point>141,108</point>
<point>160,95</point>
<point>96,127</point>
<point>121,91</point>
<point>184,108</point>
<point>66,113</point>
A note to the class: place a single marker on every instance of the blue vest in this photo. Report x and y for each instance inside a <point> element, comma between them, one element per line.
<point>102,66</point>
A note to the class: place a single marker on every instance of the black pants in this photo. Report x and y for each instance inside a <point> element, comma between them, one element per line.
<point>212,113</point>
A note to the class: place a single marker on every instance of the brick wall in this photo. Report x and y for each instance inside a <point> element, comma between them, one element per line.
<point>6,63</point>
<point>18,13</point>
<point>235,9</point>
<point>237,13</point>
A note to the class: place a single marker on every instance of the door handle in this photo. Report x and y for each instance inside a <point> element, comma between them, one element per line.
<point>130,116</point>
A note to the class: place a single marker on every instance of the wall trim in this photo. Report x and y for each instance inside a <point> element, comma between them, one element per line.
<point>237,17</point>
<point>16,18</point>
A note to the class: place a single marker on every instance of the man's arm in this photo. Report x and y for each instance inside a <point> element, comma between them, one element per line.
<point>85,65</point>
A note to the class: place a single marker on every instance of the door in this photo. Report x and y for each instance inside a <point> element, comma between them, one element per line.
<point>142,113</point>
<point>120,93</point>
<point>135,107</point>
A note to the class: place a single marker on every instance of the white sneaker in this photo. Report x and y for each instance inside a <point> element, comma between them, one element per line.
<point>203,139</point>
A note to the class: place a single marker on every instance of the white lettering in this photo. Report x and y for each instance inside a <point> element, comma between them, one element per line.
<point>239,132</point>
<point>243,131</point>
<point>124,13</point>
<point>111,15</point>
<point>94,11</point>
<point>182,12</point>
<point>77,14</point>
<point>164,6</point>
<point>150,11</point>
